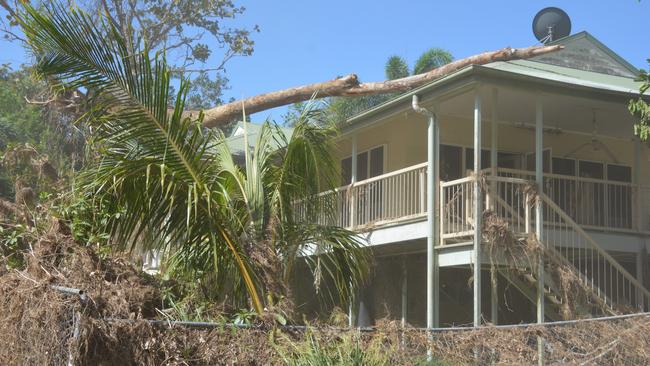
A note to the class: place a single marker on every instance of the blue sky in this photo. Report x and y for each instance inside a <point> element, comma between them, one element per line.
<point>309,41</point>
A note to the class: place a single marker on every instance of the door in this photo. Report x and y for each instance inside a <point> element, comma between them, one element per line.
<point>369,202</point>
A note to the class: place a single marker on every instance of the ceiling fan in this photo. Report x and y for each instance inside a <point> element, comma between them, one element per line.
<point>595,143</point>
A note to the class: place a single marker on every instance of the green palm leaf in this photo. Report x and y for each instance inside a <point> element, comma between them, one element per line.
<point>157,164</point>
<point>177,186</point>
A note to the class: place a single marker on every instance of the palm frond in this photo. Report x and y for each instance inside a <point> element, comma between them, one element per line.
<point>158,165</point>
<point>178,187</point>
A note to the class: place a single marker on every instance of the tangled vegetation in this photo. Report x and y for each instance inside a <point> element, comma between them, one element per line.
<point>40,325</point>
<point>157,181</point>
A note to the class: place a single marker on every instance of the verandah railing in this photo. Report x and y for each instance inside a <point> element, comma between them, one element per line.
<point>392,197</point>
<point>401,195</point>
<point>595,203</point>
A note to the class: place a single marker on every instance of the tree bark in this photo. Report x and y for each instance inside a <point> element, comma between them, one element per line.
<point>349,85</point>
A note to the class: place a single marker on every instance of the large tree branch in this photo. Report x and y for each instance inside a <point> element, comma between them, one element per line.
<point>349,85</point>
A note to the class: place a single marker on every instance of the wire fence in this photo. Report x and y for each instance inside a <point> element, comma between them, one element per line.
<point>620,339</point>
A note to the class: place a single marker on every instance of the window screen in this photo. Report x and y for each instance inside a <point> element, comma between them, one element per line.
<point>346,171</point>
<point>369,164</point>
<point>564,166</point>
<point>508,160</point>
<point>469,159</point>
<point>362,166</point>
<point>546,161</point>
<point>451,162</point>
<point>619,173</point>
<point>590,169</point>
<point>376,161</point>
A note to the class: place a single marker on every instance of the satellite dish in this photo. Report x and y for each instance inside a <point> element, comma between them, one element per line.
<point>551,24</point>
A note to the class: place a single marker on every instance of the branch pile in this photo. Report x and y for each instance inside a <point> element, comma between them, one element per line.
<point>37,328</point>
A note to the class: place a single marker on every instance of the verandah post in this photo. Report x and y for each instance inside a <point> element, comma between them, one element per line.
<point>353,208</point>
<point>494,297</point>
<point>539,214</point>
<point>478,212</point>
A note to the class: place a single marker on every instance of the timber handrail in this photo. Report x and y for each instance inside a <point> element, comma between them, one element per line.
<point>388,175</point>
<point>558,211</point>
<point>580,231</point>
<point>569,177</point>
<point>606,296</point>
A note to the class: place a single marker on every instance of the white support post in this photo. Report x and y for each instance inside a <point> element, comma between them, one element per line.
<point>641,255</point>
<point>436,225</point>
<point>636,179</point>
<point>494,124</point>
<point>353,211</point>
<point>494,296</point>
<point>478,212</point>
<point>432,158</point>
<point>639,267</point>
<point>353,206</point>
<point>539,215</point>
<point>404,308</point>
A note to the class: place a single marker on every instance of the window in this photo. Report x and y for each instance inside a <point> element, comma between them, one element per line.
<point>546,161</point>
<point>564,166</point>
<point>469,159</point>
<point>591,169</point>
<point>619,196</point>
<point>619,173</point>
<point>376,166</point>
<point>450,162</point>
<point>370,164</point>
<point>346,171</point>
<point>508,160</point>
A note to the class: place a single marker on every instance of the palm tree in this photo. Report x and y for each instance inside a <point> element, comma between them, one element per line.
<point>177,185</point>
<point>396,68</point>
<point>431,59</point>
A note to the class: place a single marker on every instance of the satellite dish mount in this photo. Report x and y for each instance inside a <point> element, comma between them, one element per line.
<point>551,24</point>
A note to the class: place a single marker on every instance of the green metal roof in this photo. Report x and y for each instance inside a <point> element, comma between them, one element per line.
<point>568,75</point>
<point>236,139</point>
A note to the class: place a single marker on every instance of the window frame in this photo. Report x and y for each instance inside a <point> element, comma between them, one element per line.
<point>368,150</point>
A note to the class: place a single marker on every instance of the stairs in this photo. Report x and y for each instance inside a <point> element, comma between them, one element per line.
<point>527,285</point>
<point>597,283</point>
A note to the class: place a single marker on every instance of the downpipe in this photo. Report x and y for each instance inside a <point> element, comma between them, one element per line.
<point>432,177</point>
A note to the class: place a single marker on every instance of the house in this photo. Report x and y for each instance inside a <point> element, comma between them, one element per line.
<point>539,151</point>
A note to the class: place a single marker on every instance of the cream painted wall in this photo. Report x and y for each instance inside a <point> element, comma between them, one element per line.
<point>405,138</point>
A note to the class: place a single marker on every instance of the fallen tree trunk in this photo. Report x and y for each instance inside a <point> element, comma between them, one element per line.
<point>349,85</point>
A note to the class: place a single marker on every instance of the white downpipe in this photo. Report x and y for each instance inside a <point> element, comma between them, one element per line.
<point>432,223</point>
